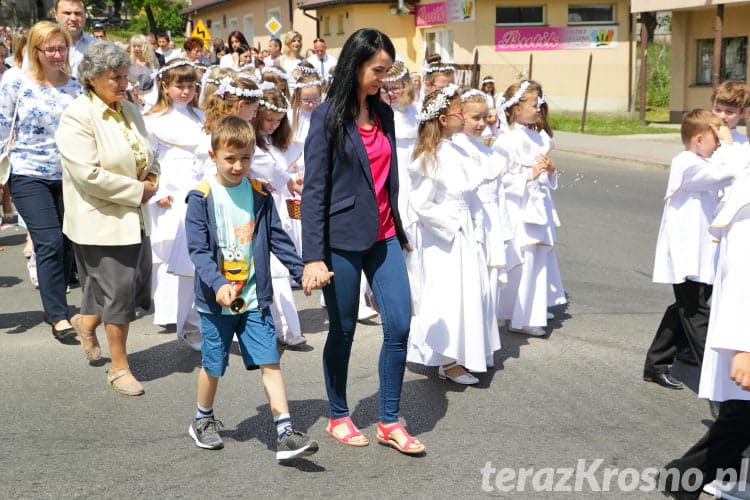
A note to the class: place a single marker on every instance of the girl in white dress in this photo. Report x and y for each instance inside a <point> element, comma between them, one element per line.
<point>175,126</point>
<point>273,136</point>
<point>237,95</point>
<point>495,225</point>
<point>535,284</point>
<point>306,97</point>
<point>454,325</point>
<point>399,94</point>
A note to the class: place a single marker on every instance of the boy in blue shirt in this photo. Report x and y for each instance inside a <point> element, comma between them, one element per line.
<point>232,228</point>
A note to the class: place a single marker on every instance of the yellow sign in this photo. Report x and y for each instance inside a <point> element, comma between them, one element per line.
<point>273,26</point>
<point>200,31</point>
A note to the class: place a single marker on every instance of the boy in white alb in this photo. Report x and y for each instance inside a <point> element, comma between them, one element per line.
<point>730,102</point>
<point>725,376</point>
<point>685,250</point>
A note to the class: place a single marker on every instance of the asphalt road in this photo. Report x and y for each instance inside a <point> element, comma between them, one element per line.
<point>566,402</point>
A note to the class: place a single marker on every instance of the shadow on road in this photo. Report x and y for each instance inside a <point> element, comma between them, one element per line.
<point>21,321</point>
<point>163,360</point>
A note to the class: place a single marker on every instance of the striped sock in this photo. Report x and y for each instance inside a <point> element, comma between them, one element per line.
<point>283,424</point>
<point>204,413</point>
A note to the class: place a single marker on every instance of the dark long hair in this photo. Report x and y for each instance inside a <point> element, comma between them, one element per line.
<point>358,48</point>
<point>239,36</point>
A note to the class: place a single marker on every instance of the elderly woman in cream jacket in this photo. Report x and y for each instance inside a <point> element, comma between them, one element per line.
<point>109,172</point>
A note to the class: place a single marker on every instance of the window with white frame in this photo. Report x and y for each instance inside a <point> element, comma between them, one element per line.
<point>591,13</point>
<point>232,24</point>
<point>439,41</point>
<point>248,28</point>
<point>520,16</point>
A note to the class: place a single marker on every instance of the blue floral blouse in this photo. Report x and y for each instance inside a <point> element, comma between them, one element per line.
<point>34,151</point>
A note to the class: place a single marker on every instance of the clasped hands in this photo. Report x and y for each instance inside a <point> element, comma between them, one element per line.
<point>315,275</point>
<point>543,164</point>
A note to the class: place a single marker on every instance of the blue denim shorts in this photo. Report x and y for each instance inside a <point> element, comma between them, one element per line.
<point>255,332</point>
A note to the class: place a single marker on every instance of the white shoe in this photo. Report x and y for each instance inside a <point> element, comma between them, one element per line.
<point>532,331</point>
<point>728,489</point>
<point>463,379</point>
<point>193,339</point>
<point>550,315</point>
<point>295,341</point>
<point>365,312</point>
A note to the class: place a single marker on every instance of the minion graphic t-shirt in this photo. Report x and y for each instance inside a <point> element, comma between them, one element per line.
<point>235,224</point>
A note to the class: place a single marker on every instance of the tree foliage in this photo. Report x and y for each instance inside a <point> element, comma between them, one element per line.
<point>156,16</point>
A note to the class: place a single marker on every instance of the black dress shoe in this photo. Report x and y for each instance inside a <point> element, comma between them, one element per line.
<point>663,379</point>
<point>65,336</point>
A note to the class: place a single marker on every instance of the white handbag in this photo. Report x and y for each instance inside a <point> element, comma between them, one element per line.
<point>5,155</point>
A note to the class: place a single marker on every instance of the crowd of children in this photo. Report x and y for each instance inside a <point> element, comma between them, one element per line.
<point>476,180</point>
<point>700,251</point>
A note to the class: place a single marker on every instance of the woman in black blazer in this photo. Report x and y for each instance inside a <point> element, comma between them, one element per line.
<point>351,224</point>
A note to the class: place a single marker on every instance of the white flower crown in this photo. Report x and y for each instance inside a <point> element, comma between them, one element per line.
<point>226,87</point>
<point>159,72</point>
<point>432,110</point>
<point>306,70</point>
<point>246,67</point>
<point>488,80</point>
<point>440,69</point>
<point>398,77</point>
<point>517,96</point>
<point>472,92</point>
<point>276,71</point>
<point>275,108</point>
<point>311,83</point>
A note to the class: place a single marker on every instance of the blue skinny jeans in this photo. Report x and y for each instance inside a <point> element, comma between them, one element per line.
<point>385,269</point>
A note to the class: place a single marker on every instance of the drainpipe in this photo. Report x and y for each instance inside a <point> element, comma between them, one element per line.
<point>317,23</point>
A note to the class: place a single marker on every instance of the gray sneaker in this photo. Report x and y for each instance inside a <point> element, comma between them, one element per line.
<point>295,444</point>
<point>205,433</point>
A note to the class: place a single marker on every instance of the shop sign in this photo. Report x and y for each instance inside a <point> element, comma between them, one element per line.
<point>547,38</point>
<point>453,11</point>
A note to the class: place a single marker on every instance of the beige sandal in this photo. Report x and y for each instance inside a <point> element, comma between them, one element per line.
<point>134,388</point>
<point>89,342</point>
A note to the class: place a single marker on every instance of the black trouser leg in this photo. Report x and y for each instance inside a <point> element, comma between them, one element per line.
<point>721,447</point>
<point>685,323</point>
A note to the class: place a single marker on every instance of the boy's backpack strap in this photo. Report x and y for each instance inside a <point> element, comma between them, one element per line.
<point>204,187</point>
<point>258,186</point>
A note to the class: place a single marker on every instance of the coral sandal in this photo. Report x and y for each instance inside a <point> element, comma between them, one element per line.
<point>409,448</point>
<point>353,432</point>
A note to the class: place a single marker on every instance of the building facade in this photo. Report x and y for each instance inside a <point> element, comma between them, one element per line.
<point>550,41</point>
<point>693,39</point>
<point>221,17</point>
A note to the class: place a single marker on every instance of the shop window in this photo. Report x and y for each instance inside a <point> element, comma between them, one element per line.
<point>519,16</point>
<point>598,13</point>
<point>733,60</point>
<point>439,41</point>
